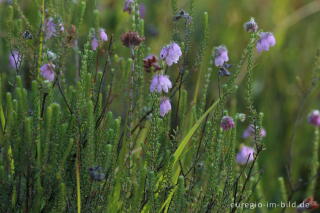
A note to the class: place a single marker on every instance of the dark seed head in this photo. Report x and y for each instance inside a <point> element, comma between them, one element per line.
<point>96,174</point>
<point>150,63</point>
<point>27,35</point>
<point>131,39</point>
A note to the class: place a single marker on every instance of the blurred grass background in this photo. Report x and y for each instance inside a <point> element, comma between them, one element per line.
<point>282,75</point>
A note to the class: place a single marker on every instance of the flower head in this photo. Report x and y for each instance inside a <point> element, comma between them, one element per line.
<point>227,123</point>
<point>245,154</point>
<point>165,106</point>
<point>103,35</point>
<point>151,63</point>
<point>314,118</point>
<point>50,28</point>
<point>160,83</point>
<point>128,6</point>
<point>131,39</point>
<point>251,26</point>
<point>47,71</point>
<point>250,132</point>
<point>94,43</point>
<point>15,59</point>
<point>142,10</point>
<point>220,55</point>
<point>266,41</point>
<point>171,53</point>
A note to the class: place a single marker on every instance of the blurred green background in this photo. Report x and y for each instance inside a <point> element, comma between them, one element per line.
<point>282,75</point>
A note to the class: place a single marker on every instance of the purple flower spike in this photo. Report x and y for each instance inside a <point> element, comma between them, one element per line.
<point>220,56</point>
<point>142,10</point>
<point>314,118</point>
<point>94,43</point>
<point>15,59</point>
<point>165,106</point>
<point>103,35</point>
<point>171,53</point>
<point>249,132</point>
<point>50,28</point>
<point>47,71</point>
<point>227,123</point>
<point>160,83</point>
<point>246,154</point>
<point>266,41</point>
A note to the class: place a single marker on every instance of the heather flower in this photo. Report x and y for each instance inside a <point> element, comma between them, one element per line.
<point>160,83</point>
<point>47,71</point>
<point>142,10</point>
<point>151,63</point>
<point>227,123</point>
<point>171,53</point>
<point>266,41</point>
<point>251,26</point>
<point>128,4</point>
<point>50,28</point>
<point>131,39</point>
<point>96,174</point>
<point>15,59</point>
<point>220,55</point>
<point>314,118</point>
<point>165,106</point>
<point>94,43</point>
<point>250,132</point>
<point>103,35</point>
<point>245,154</point>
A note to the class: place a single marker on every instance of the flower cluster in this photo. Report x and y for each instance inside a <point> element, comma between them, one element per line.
<point>171,53</point>
<point>52,28</point>
<point>47,71</point>
<point>15,59</point>
<point>314,118</point>
<point>161,83</point>
<point>245,155</point>
<point>128,4</point>
<point>227,123</point>
<point>103,37</point>
<point>265,41</point>
<point>220,55</point>
<point>250,132</point>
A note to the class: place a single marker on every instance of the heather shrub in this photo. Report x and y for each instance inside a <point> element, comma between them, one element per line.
<point>96,118</point>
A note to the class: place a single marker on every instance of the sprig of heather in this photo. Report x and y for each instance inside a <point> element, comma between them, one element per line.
<point>315,162</point>
<point>283,189</point>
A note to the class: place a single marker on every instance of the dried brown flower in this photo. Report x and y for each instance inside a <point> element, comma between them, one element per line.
<point>150,63</point>
<point>131,39</point>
